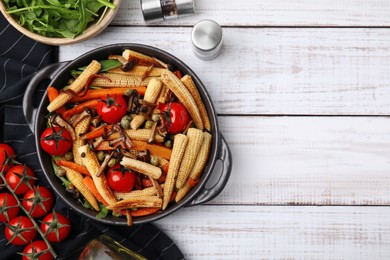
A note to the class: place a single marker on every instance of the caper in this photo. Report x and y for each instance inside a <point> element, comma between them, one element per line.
<point>168,143</point>
<point>111,162</point>
<point>61,172</point>
<point>100,155</point>
<point>129,92</point>
<point>71,186</point>
<point>70,81</point>
<point>155,117</point>
<point>68,156</point>
<point>154,160</point>
<point>125,122</point>
<point>149,124</point>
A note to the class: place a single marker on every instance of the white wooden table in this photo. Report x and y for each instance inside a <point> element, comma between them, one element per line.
<point>302,90</point>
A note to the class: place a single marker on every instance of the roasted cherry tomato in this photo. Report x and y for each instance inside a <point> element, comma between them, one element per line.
<point>38,201</point>
<point>112,109</point>
<point>8,207</point>
<point>177,117</point>
<point>20,174</point>
<point>120,179</point>
<point>6,152</point>
<point>56,140</point>
<point>56,227</point>
<point>20,231</point>
<point>37,250</point>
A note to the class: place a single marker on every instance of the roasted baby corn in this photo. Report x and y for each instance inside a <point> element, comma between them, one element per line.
<point>150,191</point>
<point>199,165</point>
<point>139,135</point>
<point>137,202</point>
<point>152,91</point>
<point>195,137</point>
<point>111,80</point>
<point>76,179</point>
<point>142,167</point>
<point>139,71</point>
<point>179,146</point>
<point>75,87</point>
<point>190,85</point>
<point>184,96</point>
<point>163,97</point>
<point>91,162</point>
<point>139,58</point>
<point>80,129</point>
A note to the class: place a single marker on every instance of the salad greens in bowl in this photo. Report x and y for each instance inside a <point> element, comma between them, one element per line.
<point>59,22</point>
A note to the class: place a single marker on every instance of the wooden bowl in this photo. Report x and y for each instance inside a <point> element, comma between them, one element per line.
<point>92,29</point>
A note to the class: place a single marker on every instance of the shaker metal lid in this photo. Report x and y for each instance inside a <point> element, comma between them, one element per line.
<point>185,7</point>
<point>207,38</point>
<point>151,10</point>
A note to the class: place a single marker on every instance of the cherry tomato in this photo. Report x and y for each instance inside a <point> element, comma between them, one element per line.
<point>56,140</point>
<point>20,231</point>
<point>38,201</point>
<point>8,207</point>
<point>120,179</point>
<point>37,250</point>
<point>112,109</point>
<point>177,117</point>
<point>6,151</point>
<point>20,174</point>
<point>56,227</point>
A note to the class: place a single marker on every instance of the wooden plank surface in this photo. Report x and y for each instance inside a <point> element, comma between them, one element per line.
<point>278,71</point>
<point>274,13</point>
<point>307,160</point>
<point>260,232</point>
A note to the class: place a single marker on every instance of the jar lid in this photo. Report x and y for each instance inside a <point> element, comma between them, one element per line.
<point>207,39</point>
<point>185,7</point>
<point>151,9</point>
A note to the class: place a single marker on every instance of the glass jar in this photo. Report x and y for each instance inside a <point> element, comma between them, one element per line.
<point>161,10</point>
<point>105,248</point>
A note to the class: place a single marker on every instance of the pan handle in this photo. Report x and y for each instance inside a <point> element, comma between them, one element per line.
<point>208,194</point>
<point>29,110</point>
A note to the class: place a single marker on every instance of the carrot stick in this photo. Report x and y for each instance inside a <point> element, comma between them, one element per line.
<point>154,149</point>
<point>74,166</point>
<point>91,186</point>
<point>52,93</point>
<point>102,93</point>
<point>143,211</point>
<point>80,107</point>
<point>95,133</point>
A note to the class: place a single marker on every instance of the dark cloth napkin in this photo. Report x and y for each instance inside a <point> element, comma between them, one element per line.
<point>20,58</point>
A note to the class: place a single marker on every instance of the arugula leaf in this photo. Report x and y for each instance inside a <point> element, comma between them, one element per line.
<point>57,18</point>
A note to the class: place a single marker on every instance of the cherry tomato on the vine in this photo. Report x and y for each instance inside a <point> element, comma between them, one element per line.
<point>20,231</point>
<point>177,117</point>
<point>112,109</point>
<point>38,201</point>
<point>56,140</point>
<point>8,207</point>
<point>6,152</point>
<point>56,227</point>
<point>37,250</point>
<point>120,179</point>
<point>21,178</point>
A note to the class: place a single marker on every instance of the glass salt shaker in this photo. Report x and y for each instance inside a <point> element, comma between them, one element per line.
<point>207,39</point>
<point>161,10</point>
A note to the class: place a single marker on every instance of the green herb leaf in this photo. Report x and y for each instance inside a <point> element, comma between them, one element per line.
<point>103,211</point>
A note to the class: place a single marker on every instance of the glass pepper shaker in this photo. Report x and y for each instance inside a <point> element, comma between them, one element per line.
<point>161,10</point>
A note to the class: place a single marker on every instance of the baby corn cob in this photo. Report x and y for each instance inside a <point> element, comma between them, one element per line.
<point>195,137</point>
<point>76,179</point>
<point>142,167</point>
<point>198,167</point>
<point>139,135</point>
<point>76,86</point>
<point>184,96</point>
<point>139,58</point>
<point>139,71</point>
<point>163,97</point>
<point>120,81</point>
<point>190,85</point>
<point>80,129</point>
<point>150,191</point>
<point>152,91</point>
<point>137,202</point>
<point>179,146</point>
<point>91,162</point>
